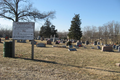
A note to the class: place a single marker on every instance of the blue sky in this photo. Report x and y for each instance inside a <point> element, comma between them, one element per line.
<point>92,12</point>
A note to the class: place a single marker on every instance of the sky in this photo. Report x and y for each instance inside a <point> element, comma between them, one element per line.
<point>92,12</point>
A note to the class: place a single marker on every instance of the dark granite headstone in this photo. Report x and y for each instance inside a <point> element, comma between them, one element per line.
<point>98,43</point>
<point>56,42</point>
<point>18,40</point>
<point>41,45</point>
<point>98,47</point>
<point>79,44</point>
<point>72,49</point>
<point>0,40</point>
<point>64,41</point>
<point>6,37</point>
<point>116,47</point>
<point>49,42</point>
<point>86,42</point>
<point>95,42</point>
<point>119,48</point>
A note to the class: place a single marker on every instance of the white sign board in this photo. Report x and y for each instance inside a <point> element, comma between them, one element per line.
<point>23,30</point>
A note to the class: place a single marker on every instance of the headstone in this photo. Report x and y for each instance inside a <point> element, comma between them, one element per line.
<point>79,44</point>
<point>107,48</point>
<point>41,45</point>
<point>73,49</point>
<point>64,41</point>
<point>98,47</point>
<point>106,45</point>
<point>95,42</point>
<point>0,40</point>
<point>98,43</point>
<point>56,42</point>
<point>119,48</point>
<point>49,42</point>
<point>23,41</point>
<point>42,38</point>
<point>73,41</point>
<point>86,42</point>
<point>6,37</point>
<point>116,47</point>
<point>18,40</point>
<point>38,38</point>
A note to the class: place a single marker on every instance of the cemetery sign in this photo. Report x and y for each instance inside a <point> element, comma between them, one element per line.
<point>23,30</point>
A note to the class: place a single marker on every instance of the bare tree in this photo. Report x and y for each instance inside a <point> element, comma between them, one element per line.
<point>116,32</point>
<point>13,10</point>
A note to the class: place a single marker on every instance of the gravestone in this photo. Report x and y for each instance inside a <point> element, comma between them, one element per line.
<point>79,44</point>
<point>86,42</point>
<point>119,48</point>
<point>49,42</point>
<point>106,45</point>
<point>23,41</point>
<point>18,40</point>
<point>42,38</point>
<point>64,41</point>
<point>38,38</point>
<point>95,42</point>
<point>107,48</point>
<point>56,42</point>
<point>41,45</point>
<point>0,40</point>
<point>6,37</point>
<point>116,47</point>
<point>98,47</point>
<point>98,43</point>
<point>73,41</point>
<point>73,49</point>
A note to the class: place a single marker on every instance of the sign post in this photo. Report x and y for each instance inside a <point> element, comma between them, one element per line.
<point>24,31</point>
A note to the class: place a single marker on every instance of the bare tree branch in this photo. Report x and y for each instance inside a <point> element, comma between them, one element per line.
<point>10,9</point>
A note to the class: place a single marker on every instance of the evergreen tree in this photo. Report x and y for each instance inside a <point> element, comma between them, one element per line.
<point>47,30</point>
<point>75,30</point>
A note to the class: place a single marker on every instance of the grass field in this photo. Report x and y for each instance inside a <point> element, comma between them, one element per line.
<point>52,63</point>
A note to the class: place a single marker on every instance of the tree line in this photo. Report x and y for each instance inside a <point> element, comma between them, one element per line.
<point>109,31</point>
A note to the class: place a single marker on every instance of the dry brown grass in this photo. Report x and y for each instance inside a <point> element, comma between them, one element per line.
<point>59,64</point>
